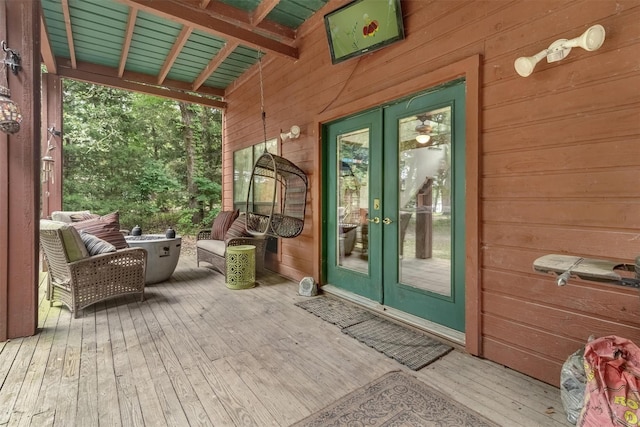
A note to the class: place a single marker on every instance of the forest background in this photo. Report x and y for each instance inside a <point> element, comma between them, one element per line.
<point>157,161</point>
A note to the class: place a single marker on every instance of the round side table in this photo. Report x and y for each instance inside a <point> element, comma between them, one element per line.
<point>241,267</point>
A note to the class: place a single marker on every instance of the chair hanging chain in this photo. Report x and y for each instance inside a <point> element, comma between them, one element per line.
<point>264,114</point>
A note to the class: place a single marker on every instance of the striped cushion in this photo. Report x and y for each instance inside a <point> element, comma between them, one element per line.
<point>107,227</point>
<point>95,245</point>
<point>222,223</point>
<point>237,229</point>
<point>83,216</point>
<point>65,216</point>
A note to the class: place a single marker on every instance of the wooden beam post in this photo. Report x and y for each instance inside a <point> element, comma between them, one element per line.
<point>19,166</point>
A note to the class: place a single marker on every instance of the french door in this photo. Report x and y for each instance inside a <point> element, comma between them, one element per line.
<point>394,198</point>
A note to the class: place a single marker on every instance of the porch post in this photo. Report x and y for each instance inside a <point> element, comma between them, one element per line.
<point>19,176</point>
<point>52,118</point>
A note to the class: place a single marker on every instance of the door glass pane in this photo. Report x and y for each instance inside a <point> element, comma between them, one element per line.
<point>353,200</point>
<point>424,229</point>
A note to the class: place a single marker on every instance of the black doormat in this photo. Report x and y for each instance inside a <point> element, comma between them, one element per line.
<point>409,347</point>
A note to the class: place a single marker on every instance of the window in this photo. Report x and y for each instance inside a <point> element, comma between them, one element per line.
<point>261,199</point>
<point>243,161</point>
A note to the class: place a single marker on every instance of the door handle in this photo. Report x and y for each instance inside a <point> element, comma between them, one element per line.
<point>387,221</point>
<point>375,220</point>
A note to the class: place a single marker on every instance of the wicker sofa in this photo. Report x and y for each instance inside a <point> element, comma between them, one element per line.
<point>78,279</point>
<point>211,248</point>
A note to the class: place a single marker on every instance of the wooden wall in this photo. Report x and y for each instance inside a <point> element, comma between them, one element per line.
<point>559,156</point>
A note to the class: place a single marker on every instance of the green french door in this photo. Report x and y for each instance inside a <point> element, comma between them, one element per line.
<point>394,198</point>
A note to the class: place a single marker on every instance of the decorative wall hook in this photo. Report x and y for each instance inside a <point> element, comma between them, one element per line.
<point>11,58</point>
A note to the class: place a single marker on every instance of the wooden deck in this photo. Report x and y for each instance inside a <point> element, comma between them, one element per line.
<point>197,353</point>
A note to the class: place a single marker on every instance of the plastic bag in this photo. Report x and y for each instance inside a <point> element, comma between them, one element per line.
<point>573,382</point>
<point>612,367</point>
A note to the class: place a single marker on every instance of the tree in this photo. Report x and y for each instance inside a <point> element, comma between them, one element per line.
<point>155,160</point>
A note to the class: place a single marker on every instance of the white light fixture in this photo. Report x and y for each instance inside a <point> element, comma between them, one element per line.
<point>423,129</point>
<point>590,40</point>
<point>294,133</point>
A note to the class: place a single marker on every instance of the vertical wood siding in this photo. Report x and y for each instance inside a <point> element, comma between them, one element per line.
<point>559,156</point>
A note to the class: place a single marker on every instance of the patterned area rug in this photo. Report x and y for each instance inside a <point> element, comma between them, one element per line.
<point>403,344</point>
<point>396,399</point>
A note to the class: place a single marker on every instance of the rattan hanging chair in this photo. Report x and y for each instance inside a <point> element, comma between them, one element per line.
<point>280,174</point>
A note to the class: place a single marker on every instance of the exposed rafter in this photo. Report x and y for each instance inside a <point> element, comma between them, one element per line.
<point>175,51</point>
<point>144,79</point>
<point>67,24</point>
<point>214,63</point>
<point>196,18</point>
<point>263,9</point>
<point>243,19</point>
<point>128,35</point>
<point>45,48</point>
<point>116,82</point>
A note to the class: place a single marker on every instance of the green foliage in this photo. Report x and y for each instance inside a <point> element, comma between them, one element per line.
<point>126,151</point>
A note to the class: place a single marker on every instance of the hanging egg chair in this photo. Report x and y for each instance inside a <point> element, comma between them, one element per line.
<point>278,174</point>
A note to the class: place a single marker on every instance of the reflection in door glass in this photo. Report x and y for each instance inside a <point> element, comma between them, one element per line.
<point>352,190</point>
<point>424,231</point>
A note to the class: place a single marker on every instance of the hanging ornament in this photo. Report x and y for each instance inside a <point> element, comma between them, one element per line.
<point>10,115</point>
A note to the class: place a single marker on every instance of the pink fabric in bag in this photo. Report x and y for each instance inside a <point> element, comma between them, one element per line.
<point>612,367</point>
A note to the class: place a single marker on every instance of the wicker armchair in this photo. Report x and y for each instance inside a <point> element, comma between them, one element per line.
<point>212,251</point>
<point>79,280</point>
<point>232,226</point>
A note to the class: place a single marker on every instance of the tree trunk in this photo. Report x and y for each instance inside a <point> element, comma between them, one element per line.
<point>187,136</point>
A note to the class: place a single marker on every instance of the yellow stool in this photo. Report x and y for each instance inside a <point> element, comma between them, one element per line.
<point>241,267</point>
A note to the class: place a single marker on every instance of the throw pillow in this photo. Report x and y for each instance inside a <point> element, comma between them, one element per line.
<point>221,224</point>
<point>95,245</point>
<point>237,229</point>
<point>83,216</point>
<point>106,227</point>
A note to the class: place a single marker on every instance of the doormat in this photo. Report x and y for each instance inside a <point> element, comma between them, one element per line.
<point>395,399</point>
<point>407,346</point>
<point>335,311</point>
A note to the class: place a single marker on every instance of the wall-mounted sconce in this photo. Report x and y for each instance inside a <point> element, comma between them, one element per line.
<point>10,115</point>
<point>590,40</point>
<point>294,133</point>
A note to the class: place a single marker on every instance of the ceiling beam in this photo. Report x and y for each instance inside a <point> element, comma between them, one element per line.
<point>67,24</point>
<point>115,82</point>
<point>45,48</point>
<point>243,18</point>
<point>128,35</point>
<point>145,79</point>
<point>214,63</point>
<point>174,52</point>
<point>196,18</point>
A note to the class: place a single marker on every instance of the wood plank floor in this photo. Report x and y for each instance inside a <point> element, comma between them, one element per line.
<point>197,353</point>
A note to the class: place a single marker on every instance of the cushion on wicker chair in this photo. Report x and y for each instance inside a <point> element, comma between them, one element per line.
<point>216,247</point>
<point>237,229</point>
<point>95,245</point>
<point>106,227</point>
<point>65,216</point>
<point>73,245</point>
<point>221,224</point>
<point>83,216</point>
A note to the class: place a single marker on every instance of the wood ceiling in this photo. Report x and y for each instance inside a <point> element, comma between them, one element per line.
<point>192,50</point>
